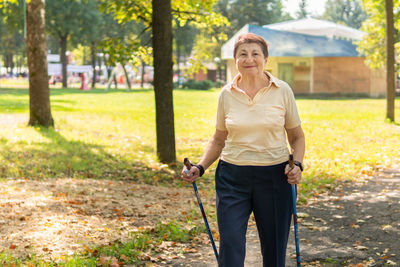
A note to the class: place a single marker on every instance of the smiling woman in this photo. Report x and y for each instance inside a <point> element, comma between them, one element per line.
<point>255,112</point>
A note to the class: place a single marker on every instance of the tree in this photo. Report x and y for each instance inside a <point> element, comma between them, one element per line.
<point>125,43</point>
<point>184,36</point>
<point>11,34</point>
<point>261,12</point>
<point>39,93</point>
<point>302,12</point>
<point>390,61</point>
<point>200,13</point>
<point>377,44</point>
<point>90,32</point>
<point>64,18</point>
<point>347,12</point>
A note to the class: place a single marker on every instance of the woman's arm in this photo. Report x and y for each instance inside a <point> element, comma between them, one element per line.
<point>297,142</point>
<point>298,145</point>
<point>211,154</point>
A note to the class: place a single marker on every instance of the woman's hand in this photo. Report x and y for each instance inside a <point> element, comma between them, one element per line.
<point>192,175</point>
<point>293,174</point>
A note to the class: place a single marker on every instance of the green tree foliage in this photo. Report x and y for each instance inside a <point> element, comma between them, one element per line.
<point>302,13</point>
<point>64,18</point>
<point>184,36</point>
<point>124,42</point>
<point>11,33</point>
<point>260,12</point>
<point>372,46</point>
<point>347,12</point>
<point>91,33</point>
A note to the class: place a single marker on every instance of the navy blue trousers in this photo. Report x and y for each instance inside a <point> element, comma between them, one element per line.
<point>263,190</point>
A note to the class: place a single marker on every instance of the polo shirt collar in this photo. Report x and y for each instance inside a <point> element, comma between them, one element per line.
<point>272,80</point>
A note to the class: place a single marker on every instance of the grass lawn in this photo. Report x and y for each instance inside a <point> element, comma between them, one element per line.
<point>111,135</point>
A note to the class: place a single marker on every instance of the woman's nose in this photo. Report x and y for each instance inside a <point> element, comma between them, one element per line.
<point>249,58</point>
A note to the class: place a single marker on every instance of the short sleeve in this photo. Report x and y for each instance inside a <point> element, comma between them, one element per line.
<point>220,124</point>
<point>292,119</point>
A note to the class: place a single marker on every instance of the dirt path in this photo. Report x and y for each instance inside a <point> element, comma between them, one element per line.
<point>354,224</point>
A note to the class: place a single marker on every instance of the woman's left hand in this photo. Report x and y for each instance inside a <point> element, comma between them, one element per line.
<point>293,174</point>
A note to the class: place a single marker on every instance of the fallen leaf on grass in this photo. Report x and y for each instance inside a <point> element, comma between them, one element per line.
<point>108,261</point>
<point>191,250</point>
<point>104,260</point>
<point>124,258</point>
<point>114,262</point>
<point>74,202</point>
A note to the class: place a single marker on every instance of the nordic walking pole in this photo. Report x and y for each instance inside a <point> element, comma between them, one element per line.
<point>188,166</point>
<point>296,230</point>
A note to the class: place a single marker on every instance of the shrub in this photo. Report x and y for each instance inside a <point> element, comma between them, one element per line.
<point>199,85</point>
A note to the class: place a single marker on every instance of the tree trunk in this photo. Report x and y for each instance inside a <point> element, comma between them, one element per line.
<point>390,75</point>
<point>39,93</point>
<point>163,84</point>
<point>93,53</point>
<point>128,83</point>
<point>10,63</point>
<point>100,64</point>
<point>178,61</point>
<point>178,52</point>
<point>142,76</point>
<point>64,60</point>
<point>115,78</point>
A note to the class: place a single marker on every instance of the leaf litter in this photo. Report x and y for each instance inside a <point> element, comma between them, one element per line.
<point>58,217</point>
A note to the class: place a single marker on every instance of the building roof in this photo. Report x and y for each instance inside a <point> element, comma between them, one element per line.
<point>290,44</point>
<point>317,27</point>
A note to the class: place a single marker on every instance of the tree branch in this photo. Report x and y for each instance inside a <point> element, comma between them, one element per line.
<point>189,12</point>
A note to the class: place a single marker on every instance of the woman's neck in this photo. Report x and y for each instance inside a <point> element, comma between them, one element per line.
<point>253,83</point>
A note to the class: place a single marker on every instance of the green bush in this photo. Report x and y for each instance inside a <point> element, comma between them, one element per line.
<point>199,85</point>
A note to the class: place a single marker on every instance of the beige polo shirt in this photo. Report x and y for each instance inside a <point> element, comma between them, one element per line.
<point>256,127</point>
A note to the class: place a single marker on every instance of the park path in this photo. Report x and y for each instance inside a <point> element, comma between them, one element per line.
<point>357,224</point>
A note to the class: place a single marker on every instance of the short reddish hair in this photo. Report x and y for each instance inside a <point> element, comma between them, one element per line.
<point>249,38</point>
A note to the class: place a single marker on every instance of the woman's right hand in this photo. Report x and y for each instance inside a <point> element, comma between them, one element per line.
<point>191,175</point>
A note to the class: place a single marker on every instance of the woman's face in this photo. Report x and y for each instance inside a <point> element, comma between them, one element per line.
<point>250,59</point>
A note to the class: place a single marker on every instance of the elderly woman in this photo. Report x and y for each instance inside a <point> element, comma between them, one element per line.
<point>254,112</point>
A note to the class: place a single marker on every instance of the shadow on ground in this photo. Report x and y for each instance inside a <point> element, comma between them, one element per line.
<point>57,157</point>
